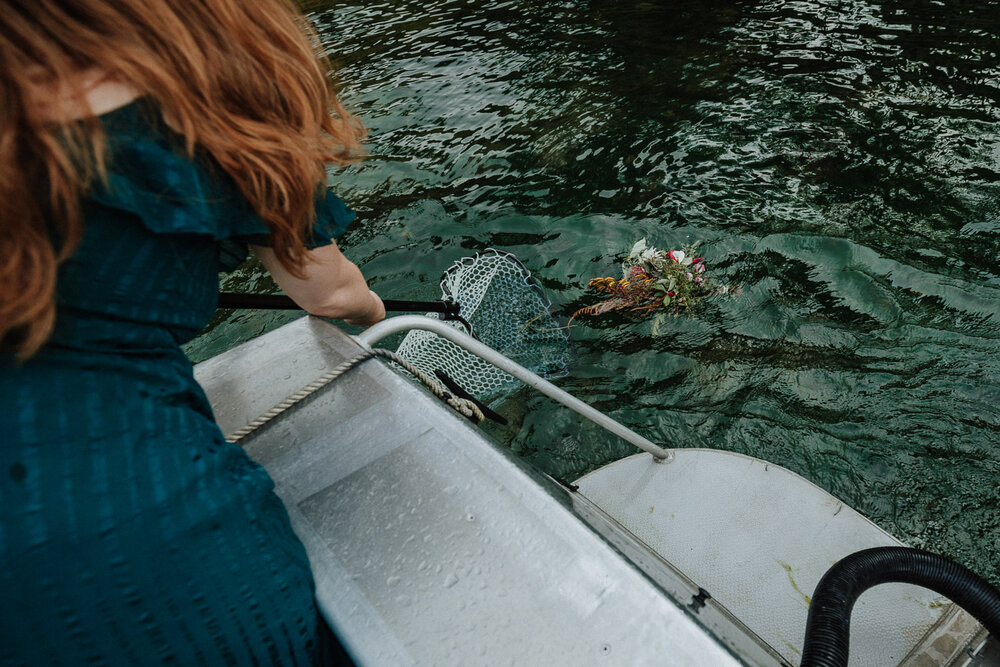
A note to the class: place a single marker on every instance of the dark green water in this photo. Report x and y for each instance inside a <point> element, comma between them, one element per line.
<point>840,160</point>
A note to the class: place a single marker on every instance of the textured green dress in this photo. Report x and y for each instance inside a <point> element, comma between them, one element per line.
<point>130,531</point>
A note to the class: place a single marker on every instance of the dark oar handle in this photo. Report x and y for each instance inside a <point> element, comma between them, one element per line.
<point>282,302</point>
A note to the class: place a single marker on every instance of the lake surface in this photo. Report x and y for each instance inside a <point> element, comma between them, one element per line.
<point>838,160</point>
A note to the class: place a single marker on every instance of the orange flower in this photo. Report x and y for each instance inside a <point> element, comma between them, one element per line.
<point>601,284</point>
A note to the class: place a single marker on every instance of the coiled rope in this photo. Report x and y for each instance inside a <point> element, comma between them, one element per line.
<point>464,406</point>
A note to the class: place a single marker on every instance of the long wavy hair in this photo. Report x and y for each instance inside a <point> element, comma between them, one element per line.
<point>240,79</point>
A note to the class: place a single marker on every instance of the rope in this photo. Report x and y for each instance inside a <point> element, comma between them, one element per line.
<point>464,406</point>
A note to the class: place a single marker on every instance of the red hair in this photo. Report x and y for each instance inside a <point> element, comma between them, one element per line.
<point>240,79</point>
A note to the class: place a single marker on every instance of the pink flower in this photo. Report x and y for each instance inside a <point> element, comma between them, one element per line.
<point>688,275</point>
<point>698,266</point>
<point>698,279</point>
<point>636,272</point>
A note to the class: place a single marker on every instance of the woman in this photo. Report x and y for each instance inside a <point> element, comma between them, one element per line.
<point>141,142</point>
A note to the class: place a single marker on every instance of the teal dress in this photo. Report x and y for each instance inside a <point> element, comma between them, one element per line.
<point>131,533</point>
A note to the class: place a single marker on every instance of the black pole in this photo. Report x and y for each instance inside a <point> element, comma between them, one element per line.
<point>282,302</point>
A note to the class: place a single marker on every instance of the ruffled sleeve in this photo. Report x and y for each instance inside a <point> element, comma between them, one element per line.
<point>150,177</point>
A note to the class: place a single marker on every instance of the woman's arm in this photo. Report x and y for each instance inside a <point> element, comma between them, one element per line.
<point>331,286</point>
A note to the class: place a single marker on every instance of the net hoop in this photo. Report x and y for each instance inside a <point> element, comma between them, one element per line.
<point>508,311</point>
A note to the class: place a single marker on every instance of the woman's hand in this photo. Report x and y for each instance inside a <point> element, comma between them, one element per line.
<point>331,285</point>
<point>377,313</point>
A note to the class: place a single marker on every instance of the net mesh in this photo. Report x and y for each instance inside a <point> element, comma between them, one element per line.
<point>508,312</point>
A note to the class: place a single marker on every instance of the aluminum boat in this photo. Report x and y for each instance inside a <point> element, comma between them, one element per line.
<point>432,544</point>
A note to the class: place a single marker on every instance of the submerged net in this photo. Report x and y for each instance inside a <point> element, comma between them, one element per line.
<point>508,312</point>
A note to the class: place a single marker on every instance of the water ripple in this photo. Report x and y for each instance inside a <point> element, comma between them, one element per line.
<point>841,162</point>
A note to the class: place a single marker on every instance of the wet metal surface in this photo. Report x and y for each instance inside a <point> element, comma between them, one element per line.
<point>430,545</point>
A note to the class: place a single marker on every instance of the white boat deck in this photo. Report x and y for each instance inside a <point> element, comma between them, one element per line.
<point>430,545</point>
<point>433,546</point>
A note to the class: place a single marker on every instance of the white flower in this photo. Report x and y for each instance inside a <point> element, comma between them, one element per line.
<point>637,249</point>
<point>677,256</point>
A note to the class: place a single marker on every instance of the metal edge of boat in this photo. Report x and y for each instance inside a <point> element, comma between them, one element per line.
<point>433,545</point>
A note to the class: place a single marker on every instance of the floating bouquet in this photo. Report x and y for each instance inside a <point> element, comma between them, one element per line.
<point>655,280</point>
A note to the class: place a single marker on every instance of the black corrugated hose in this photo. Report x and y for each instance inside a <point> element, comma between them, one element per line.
<point>829,624</point>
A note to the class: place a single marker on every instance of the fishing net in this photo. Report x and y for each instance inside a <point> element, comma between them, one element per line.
<point>507,311</point>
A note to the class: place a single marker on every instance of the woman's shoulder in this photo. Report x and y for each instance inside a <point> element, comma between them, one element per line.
<point>92,92</point>
<point>150,174</point>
